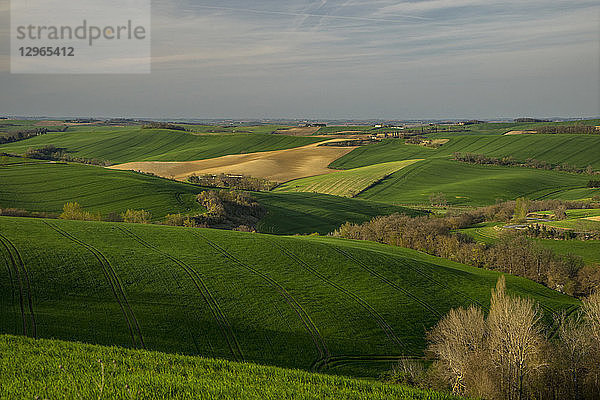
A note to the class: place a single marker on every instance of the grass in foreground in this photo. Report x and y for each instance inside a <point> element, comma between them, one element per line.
<point>314,303</point>
<point>51,369</point>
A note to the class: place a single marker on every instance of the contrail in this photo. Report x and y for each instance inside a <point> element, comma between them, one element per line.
<point>314,15</point>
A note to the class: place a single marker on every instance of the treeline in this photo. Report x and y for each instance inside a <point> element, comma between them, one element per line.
<point>227,181</point>
<point>19,212</point>
<point>51,152</point>
<point>482,159</point>
<point>577,129</point>
<point>594,183</point>
<point>511,254</point>
<point>543,232</point>
<point>163,125</point>
<point>509,354</point>
<point>22,135</point>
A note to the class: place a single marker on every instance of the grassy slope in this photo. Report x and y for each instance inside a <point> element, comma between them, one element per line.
<point>574,194</point>
<point>345,183</point>
<point>41,186</point>
<point>135,144</point>
<point>48,368</point>
<point>290,213</point>
<point>465,184</point>
<point>579,150</point>
<point>343,306</point>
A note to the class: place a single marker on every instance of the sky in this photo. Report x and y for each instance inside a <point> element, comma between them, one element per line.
<point>339,59</point>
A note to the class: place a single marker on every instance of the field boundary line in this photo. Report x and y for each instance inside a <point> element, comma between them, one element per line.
<point>112,280</point>
<point>304,316</point>
<point>383,324</point>
<point>207,296</point>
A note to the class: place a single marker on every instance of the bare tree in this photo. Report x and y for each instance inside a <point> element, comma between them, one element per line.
<point>514,340</point>
<point>456,341</point>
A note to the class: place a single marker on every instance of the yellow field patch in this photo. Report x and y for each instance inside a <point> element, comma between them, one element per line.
<point>348,183</point>
<point>277,166</point>
<point>596,218</point>
<point>306,131</point>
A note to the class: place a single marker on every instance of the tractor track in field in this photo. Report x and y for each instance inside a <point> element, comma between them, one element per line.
<point>11,280</point>
<point>17,262</point>
<point>443,285</point>
<point>309,325</point>
<point>435,281</point>
<point>339,360</point>
<point>209,299</point>
<point>383,324</point>
<point>386,280</point>
<point>11,262</point>
<point>113,281</point>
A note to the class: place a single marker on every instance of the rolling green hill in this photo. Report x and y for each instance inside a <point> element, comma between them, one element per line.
<point>467,184</point>
<point>322,304</point>
<point>347,183</point>
<point>578,150</point>
<point>47,369</point>
<point>292,213</point>
<point>46,186</point>
<point>136,144</point>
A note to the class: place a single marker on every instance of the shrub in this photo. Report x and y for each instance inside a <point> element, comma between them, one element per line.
<point>74,211</point>
<point>594,183</point>
<point>137,216</point>
<point>113,217</point>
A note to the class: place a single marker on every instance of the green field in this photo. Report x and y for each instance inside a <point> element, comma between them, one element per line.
<point>46,186</point>
<point>500,128</point>
<point>136,144</point>
<point>578,150</point>
<point>323,304</point>
<point>576,220</point>
<point>347,183</point>
<point>589,250</point>
<point>466,184</point>
<point>53,369</point>
<point>291,213</point>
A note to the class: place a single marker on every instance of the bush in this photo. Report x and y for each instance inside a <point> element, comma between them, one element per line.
<point>594,183</point>
<point>113,217</point>
<point>74,211</point>
<point>137,216</point>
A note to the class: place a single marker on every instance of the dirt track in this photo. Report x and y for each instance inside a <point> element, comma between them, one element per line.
<point>278,166</point>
